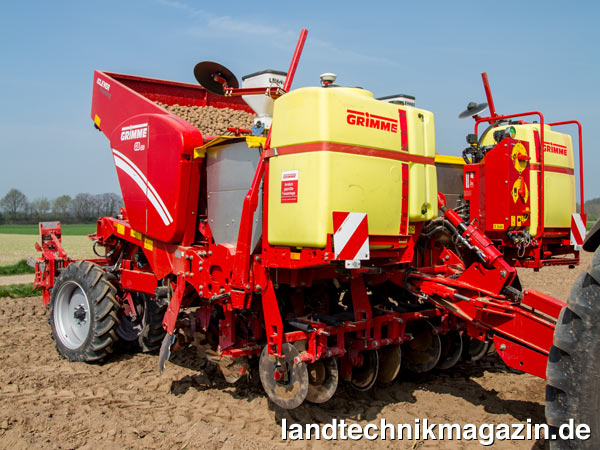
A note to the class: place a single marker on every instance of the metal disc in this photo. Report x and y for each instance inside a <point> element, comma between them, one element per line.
<point>390,360</point>
<point>452,347</point>
<point>422,353</point>
<point>364,376</point>
<point>474,349</point>
<point>204,72</point>
<point>292,387</point>
<point>472,109</point>
<point>323,377</point>
<point>165,351</point>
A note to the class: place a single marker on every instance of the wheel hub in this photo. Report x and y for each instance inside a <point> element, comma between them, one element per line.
<point>79,313</point>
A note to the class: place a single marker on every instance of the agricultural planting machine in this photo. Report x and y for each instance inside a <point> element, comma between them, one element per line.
<point>326,239</point>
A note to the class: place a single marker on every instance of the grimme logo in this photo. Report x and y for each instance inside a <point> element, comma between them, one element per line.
<point>139,131</point>
<point>364,119</point>
<point>555,148</point>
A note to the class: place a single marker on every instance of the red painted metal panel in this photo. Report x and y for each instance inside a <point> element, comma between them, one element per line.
<point>405,187</point>
<point>173,92</point>
<point>145,148</point>
<point>136,280</point>
<point>403,129</point>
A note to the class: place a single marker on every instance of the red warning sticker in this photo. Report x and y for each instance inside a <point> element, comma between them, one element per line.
<point>289,186</point>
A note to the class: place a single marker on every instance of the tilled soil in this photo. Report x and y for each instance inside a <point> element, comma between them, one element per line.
<point>46,402</point>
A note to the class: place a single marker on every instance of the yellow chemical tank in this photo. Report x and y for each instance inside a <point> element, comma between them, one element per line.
<point>339,149</point>
<point>559,178</point>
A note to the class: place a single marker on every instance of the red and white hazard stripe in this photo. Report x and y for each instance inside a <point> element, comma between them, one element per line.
<point>350,236</point>
<point>577,229</point>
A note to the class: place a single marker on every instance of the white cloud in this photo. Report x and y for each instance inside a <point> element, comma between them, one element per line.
<point>276,37</point>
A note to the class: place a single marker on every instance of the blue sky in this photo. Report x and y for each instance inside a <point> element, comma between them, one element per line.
<point>538,55</point>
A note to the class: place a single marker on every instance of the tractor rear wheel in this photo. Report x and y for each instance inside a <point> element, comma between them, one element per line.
<point>83,313</point>
<point>573,373</point>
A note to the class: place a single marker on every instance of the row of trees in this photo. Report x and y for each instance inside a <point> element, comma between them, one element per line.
<point>16,207</point>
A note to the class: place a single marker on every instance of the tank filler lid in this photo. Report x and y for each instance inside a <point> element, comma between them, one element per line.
<point>399,99</point>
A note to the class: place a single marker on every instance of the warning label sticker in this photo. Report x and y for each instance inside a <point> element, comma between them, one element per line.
<point>289,186</point>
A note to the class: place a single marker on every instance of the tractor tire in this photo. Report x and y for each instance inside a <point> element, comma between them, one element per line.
<point>83,313</point>
<point>573,373</point>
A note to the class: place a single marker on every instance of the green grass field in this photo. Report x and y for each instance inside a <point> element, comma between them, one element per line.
<point>19,290</point>
<point>18,268</point>
<point>73,229</point>
<point>16,247</point>
<point>17,242</point>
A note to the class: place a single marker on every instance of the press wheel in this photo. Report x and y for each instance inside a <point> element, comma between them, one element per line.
<point>452,348</point>
<point>285,380</point>
<point>422,353</point>
<point>390,360</point>
<point>323,377</point>
<point>365,375</point>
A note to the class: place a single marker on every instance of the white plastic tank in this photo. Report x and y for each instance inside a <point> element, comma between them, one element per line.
<point>262,104</point>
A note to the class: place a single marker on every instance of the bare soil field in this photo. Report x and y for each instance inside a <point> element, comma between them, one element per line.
<point>6,280</point>
<point>48,403</point>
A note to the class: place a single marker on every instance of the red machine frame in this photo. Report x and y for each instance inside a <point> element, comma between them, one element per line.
<point>476,295</point>
<point>558,238</point>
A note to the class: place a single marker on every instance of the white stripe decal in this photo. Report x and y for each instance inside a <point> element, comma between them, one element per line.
<point>346,230</point>
<point>578,230</point>
<point>135,177</point>
<point>133,127</point>
<point>579,223</point>
<point>123,163</point>
<point>363,252</point>
<point>149,185</point>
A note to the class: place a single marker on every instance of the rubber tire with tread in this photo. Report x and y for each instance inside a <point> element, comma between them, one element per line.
<point>573,373</point>
<point>103,311</point>
<point>153,333</point>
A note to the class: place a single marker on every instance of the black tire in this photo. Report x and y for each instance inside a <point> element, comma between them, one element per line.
<point>145,333</point>
<point>83,313</point>
<point>573,373</point>
<point>153,333</point>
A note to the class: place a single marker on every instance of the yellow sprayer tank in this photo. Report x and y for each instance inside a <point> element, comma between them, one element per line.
<point>339,149</point>
<point>559,178</point>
